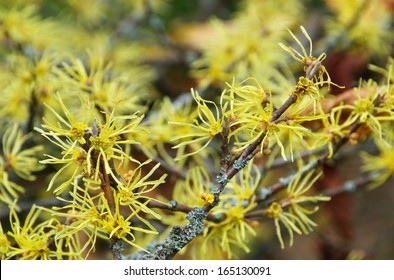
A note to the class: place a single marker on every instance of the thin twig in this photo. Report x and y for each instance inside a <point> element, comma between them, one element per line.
<point>347,187</point>
<point>165,166</point>
<point>106,186</point>
<point>177,207</point>
<point>284,182</point>
<point>226,155</point>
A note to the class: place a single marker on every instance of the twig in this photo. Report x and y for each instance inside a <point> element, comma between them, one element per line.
<point>116,243</point>
<point>280,162</point>
<point>247,154</point>
<point>106,186</point>
<point>180,236</point>
<point>290,101</point>
<point>176,207</point>
<point>352,185</point>
<point>226,155</point>
<point>347,187</point>
<point>283,182</point>
<point>25,206</point>
<point>165,166</point>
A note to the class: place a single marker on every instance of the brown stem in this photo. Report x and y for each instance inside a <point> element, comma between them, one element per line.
<point>168,168</point>
<point>106,186</point>
<point>116,243</point>
<point>226,155</point>
<point>277,113</point>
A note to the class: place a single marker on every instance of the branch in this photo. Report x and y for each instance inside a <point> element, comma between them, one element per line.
<point>280,162</point>
<point>116,243</point>
<point>352,185</point>
<point>181,236</point>
<point>176,207</point>
<point>25,206</point>
<point>347,187</point>
<point>168,168</point>
<point>284,182</point>
<point>106,186</point>
<point>226,154</point>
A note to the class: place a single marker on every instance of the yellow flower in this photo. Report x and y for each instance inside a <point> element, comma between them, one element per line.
<point>21,25</point>
<point>310,63</point>
<point>245,96</point>
<point>208,198</point>
<point>83,214</point>
<point>4,243</point>
<point>295,219</point>
<point>8,189</point>
<point>101,84</point>
<point>92,215</point>
<point>232,232</point>
<point>275,211</point>
<point>248,123</point>
<point>120,227</point>
<point>316,74</point>
<point>334,128</point>
<point>68,125</point>
<point>86,143</point>
<point>189,190</point>
<point>204,129</point>
<point>381,165</point>
<point>106,143</point>
<point>160,133</point>
<point>370,109</point>
<point>74,164</point>
<point>133,192</point>
<point>300,184</point>
<point>23,161</point>
<point>246,47</point>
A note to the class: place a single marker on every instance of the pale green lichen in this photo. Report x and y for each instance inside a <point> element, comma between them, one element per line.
<point>240,163</point>
<point>222,179</point>
<point>180,236</point>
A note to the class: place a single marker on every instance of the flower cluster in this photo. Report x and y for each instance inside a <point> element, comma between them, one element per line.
<point>89,216</point>
<point>87,143</point>
<point>93,149</point>
<point>246,47</point>
<point>33,239</point>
